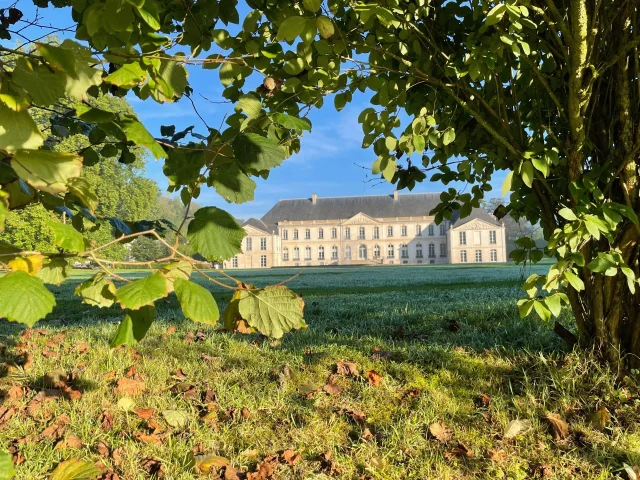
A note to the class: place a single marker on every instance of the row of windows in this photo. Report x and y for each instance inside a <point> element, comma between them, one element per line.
<point>363,253</point>
<point>492,237</point>
<point>493,256</point>
<point>249,244</point>
<point>263,261</point>
<point>362,232</point>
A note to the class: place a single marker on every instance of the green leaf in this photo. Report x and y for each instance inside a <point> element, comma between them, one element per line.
<point>567,214</point>
<point>291,122</point>
<point>46,170</point>
<point>250,104</point>
<point>449,136</point>
<point>98,291</point>
<point>67,237</point>
<point>53,272</point>
<point>631,278</point>
<point>215,234</point>
<point>273,311</point>
<point>18,130</point>
<point>58,57</point>
<point>256,152</point>
<point>418,143</point>
<point>197,302</point>
<point>80,188</point>
<point>541,165</point>
<point>574,280</point>
<point>138,134</point>
<point>506,185</point>
<point>176,418</point>
<point>496,14</point>
<point>43,86</point>
<point>391,143</point>
<point>389,168</point>
<point>312,5</point>
<point>600,264</point>
<point>6,466</point>
<point>232,184</point>
<point>542,311</point>
<point>291,28</point>
<point>325,26</point>
<point>554,304</point>
<point>626,211</point>
<point>93,115</point>
<point>525,306</point>
<point>143,291</point>
<point>24,298</point>
<point>526,172</point>
<point>127,76</point>
<point>149,13</point>
<point>75,469</point>
<point>133,327</point>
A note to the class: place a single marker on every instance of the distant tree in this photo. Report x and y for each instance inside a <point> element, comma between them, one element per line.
<point>514,229</point>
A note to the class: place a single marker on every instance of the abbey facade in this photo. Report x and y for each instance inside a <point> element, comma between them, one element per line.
<point>368,230</point>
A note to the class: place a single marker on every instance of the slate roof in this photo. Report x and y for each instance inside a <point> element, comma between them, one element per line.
<point>342,208</point>
<point>478,213</point>
<point>259,224</point>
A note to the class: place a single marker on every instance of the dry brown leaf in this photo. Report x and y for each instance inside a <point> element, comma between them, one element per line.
<point>50,354</point>
<point>600,418</point>
<point>15,392</point>
<point>328,465</point>
<point>441,431</point>
<point>145,413</point>
<point>36,406</point>
<point>367,435</point>
<point>106,420</point>
<point>245,413</point>
<point>483,400</point>
<point>110,375</point>
<point>70,442</point>
<point>374,378</point>
<point>460,451</point>
<point>497,456</point>
<point>180,374</point>
<point>332,389</point>
<point>147,438</point>
<point>347,368</point>
<point>127,386</point>
<point>355,415</point>
<point>558,425</point>
<point>27,361</point>
<point>265,470</point>
<point>153,467</point>
<point>56,430</point>
<point>81,347</point>
<point>103,449</point>
<point>208,358</point>
<point>132,372</point>
<point>290,457</point>
<point>170,331</point>
<point>412,393</point>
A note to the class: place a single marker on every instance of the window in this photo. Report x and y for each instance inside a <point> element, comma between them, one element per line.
<point>404,249</point>
<point>389,231</point>
<point>376,232</point>
<point>296,253</point>
<point>234,262</point>
<point>361,233</point>
<point>494,255</point>
<point>295,234</point>
<point>334,233</point>
<point>263,261</point>
<point>403,231</point>
<point>418,250</point>
<point>443,249</point>
<point>307,234</point>
<point>432,250</point>
<point>320,253</point>
<point>347,233</point>
<point>285,254</point>
<point>285,234</point>
<point>478,256</point>
<point>463,256</point>
<point>418,230</point>
<point>334,253</point>
<point>320,233</point>
<point>431,230</point>
<point>390,251</point>
<point>263,244</point>
<point>376,251</point>
<point>362,252</point>
<point>463,238</point>
<point>307,253</point>
<point>492,237</point>
<point>347,253</point>
<point>443,229</point>
<point>249,242</point>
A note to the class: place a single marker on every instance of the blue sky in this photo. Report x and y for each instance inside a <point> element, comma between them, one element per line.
<point>328,164</point>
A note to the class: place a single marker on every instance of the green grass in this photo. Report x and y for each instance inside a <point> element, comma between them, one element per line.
<point>403,315</point>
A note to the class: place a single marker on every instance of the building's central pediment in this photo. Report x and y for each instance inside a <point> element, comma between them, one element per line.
<point>360,219</point>
<point>476,224</point>
<point>254,231</point>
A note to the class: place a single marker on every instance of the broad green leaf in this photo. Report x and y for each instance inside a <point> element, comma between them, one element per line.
<point>150,14</point>
<point>312,5</point>
<point>59,57</point>
<point>542,311</point>
<point>250,104</point>
<point>567,214</point>
<point>24,298</point>
<point>631,278</point>
<point>418,143</point>
<point>389,168</point>
<point>46,170</point>
<point>43,86</point>
<point>30,264</point>
<point>526,172</point>
<point>232,70</point>
<point>325,26</point>
<point>291,28</point>
<point>197,302</point>
<point>215,234</point>
<point>600,264</point>
<point>554,304</point>
<point>626,211</point>
<point>133,327</point>
<point>256,152</point>
<point>391,143</point>
<point>525,306</point>
<point>18,130</point>
<point>53,272</point>
<point>98,291</point>
<point>506,185</point>
<point>138,134</point>
<point>176,270</point>
<point>232,184</point>
<point>127,76</point>
<point>176,418</point>
<point>7,471</point>
<point>81,189</point>
<point>291,122</point>
<point>273,311</point>
<point>142,292</point>
<point>67,237</point>
<point>496,14</point>
<point>541,165</point>
<point>94,115</point>
<point>574,280</point>
<point>449,136</point>
<point>75,469</point>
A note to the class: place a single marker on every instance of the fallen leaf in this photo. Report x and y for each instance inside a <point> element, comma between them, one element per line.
<point>180,374</point>
<point>559,426</point>
<point>460,451</point>
<point>153,467</point>
<point>265,469</point>
<point>497,456</point>
<point>355,415</point>
<point>81,347</point>
<point>170,331</point>
<point>441,431</point>
<point>332,389</point>
<point>208,358</point>
<point>127,386</point>
<point>374,377</point>
<point>367,435</point>
<point>56,430</point>
<point>110,375</point>
<point>36,406</point>
<point>126,404</point>
<point>483,400</point>
<point>600,418</point>
<point>515,428</point>
<point>50,354</point>
<point>103,449</point>
<point>15,392</point>
<point>5,414</point>
<point>176,418</point>
<point>70,442</point>
<point>290,457</point>
<point>74,469</point>
<point>106,420</point>
<point>347,368</point>
<point>327,464</point>
<point>412,393</point>
<point>245,413</point>
<point>147,438</point>
<point>132,372</point>
<point>27,361</point>
<point>208,463</point>
<point>145,413</point>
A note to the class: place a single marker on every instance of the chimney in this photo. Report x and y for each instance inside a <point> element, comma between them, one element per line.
<point>395,194</point>
<point>314,198</point>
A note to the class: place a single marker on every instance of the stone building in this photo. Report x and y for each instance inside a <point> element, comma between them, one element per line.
<point>367,230</point>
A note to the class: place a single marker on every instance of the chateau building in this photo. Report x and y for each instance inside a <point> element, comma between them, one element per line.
<point>367,230</point>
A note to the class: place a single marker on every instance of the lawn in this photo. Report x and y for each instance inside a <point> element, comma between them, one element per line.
<point>404,372</point>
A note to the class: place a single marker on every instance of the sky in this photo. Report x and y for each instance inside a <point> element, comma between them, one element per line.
<point>330,162</point>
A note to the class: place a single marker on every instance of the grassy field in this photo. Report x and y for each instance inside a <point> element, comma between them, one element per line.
<point>444,368</point>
